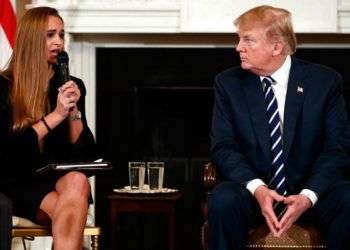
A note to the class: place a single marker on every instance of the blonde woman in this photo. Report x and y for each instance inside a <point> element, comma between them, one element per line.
<point>42,120</point>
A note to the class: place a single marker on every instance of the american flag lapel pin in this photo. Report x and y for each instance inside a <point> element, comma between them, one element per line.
<point>300,89</point>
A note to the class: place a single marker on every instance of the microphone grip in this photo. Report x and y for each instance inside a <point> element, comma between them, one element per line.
<point>65,77</point>
<point>64,72</point>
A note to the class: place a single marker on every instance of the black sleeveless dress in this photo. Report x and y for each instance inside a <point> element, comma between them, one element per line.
<point>20,155</point>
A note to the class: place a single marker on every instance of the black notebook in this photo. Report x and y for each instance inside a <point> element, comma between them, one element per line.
<point>89,168</point>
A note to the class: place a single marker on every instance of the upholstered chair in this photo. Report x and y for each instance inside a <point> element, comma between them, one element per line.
<point>299,236</point>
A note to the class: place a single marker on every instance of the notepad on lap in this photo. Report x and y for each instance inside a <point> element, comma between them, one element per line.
<point>85,167</point>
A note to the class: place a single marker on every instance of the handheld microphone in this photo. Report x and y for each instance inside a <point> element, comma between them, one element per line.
<point>62,60</point>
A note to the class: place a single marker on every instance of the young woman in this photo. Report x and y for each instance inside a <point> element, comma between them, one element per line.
<point>42,120</point>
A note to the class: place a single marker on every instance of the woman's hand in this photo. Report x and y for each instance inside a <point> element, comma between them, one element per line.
<point>67,98</point>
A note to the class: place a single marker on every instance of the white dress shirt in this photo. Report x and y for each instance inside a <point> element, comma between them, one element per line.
<point>279,87</point>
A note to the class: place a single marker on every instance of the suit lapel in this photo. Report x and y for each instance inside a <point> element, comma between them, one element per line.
<point>256,104</point>
<point>294,100</point>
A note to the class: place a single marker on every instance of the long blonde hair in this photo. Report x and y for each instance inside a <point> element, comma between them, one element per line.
<point>276,21</point>
<point>29,70</point>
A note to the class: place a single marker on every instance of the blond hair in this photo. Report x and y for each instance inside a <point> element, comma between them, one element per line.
<point>29,70</point>
<point>277,23</point>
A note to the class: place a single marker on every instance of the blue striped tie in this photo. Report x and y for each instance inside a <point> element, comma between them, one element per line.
<point>278,180</point>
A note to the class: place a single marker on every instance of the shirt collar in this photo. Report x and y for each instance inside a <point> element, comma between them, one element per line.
<point>281,75</point>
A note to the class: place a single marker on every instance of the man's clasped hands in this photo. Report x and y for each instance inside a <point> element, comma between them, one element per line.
<point>296,205</point>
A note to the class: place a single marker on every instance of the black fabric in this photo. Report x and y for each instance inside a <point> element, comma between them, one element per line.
<point>232,212</point>
<point>332,213</point>
<point>20,155</point>
<point>5,222</point>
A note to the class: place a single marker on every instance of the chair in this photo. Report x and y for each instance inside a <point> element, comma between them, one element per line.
<point>28,231</point>
<point>299,236</point>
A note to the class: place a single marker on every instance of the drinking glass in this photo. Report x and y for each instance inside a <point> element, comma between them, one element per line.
<point>136,175</point>
<point>155,171</point>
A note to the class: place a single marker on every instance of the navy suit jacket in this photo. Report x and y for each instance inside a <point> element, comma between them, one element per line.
<point>315,122</point>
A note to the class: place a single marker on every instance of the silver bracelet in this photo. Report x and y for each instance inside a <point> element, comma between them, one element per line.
<point>76,116</point>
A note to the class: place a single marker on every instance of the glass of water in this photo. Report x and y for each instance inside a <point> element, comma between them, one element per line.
<point>136,175</point>
<point>155,173</point>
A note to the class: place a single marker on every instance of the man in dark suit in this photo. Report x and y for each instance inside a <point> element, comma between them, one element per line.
<point>278,138</point>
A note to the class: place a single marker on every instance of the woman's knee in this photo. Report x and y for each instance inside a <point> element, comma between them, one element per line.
<point>75,183</point>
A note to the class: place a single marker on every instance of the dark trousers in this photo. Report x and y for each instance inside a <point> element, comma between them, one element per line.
<point>5,222</point>
<point>233,211</point>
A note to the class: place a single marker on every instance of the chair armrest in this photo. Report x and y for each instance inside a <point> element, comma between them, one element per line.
<point>209,176</point>
<point>209,181</point>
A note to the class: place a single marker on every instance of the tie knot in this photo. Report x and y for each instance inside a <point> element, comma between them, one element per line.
<point>268,80</point>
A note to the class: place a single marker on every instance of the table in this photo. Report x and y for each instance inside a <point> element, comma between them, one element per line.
<point>144,203</point>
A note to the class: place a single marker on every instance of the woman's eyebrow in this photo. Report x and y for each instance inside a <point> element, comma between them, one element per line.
<point>50,30</point>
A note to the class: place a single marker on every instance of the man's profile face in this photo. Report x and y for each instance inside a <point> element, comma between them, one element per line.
<point>255,51</point>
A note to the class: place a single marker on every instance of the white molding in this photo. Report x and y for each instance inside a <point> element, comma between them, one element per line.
<point>212,16</point>
<point>186,16</point>
<point>344,16</point>
<point>145,16</point>
<point>83,65</point>
<point>313,16</point>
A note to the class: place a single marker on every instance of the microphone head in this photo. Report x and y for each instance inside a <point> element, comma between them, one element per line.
<point>62,57</point>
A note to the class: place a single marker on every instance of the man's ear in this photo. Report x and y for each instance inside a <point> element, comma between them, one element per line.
<point>278,47</point>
